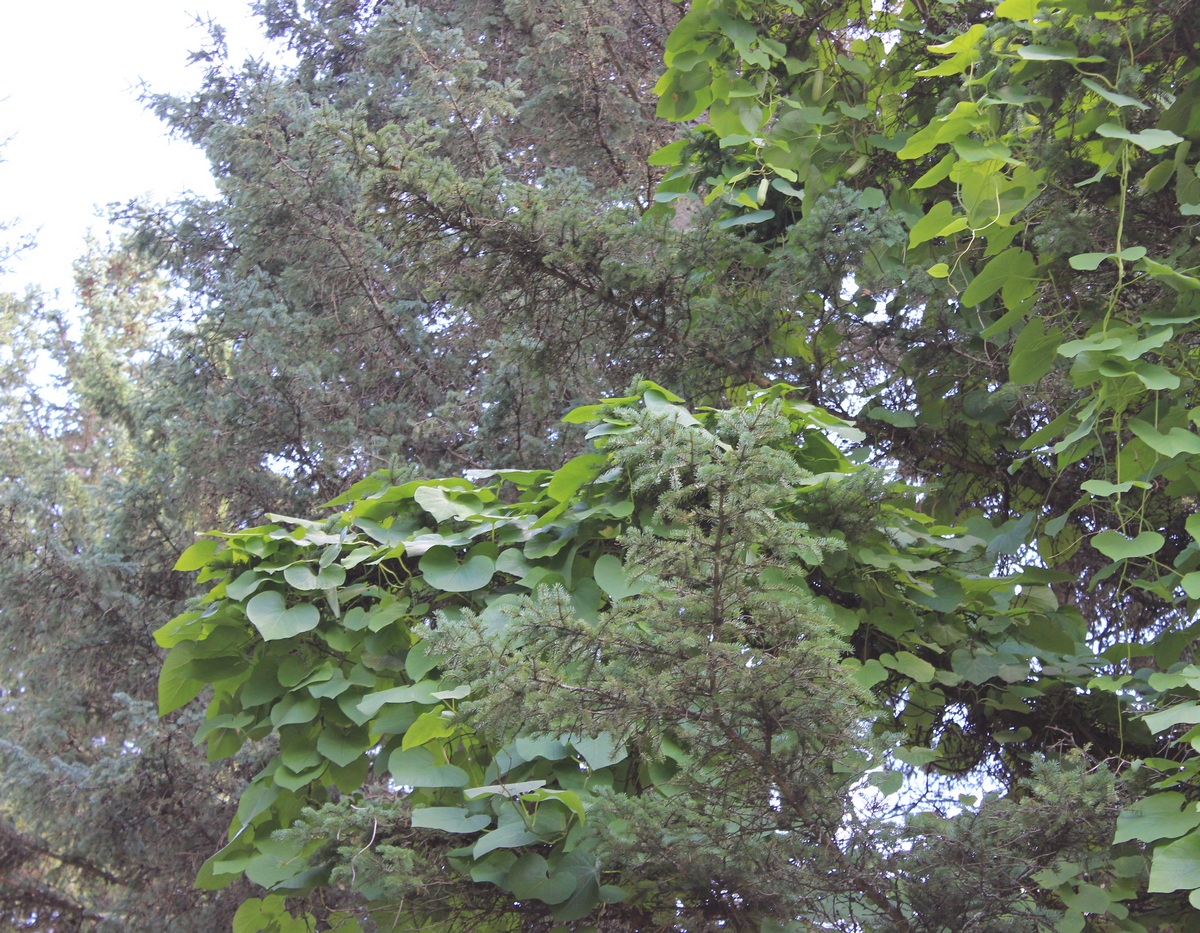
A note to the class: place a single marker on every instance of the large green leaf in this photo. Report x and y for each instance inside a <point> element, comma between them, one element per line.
<point>510,835</point>
<point>421,692</point>
<point>449,819</point>
<point>442,570</point>
<point>588,891</point>
<point>1012,264</point>
<point>1117,546</point>
<point>197,555</point>
<point>1034,353</point>
<point>599,751</point>
<point>1171,444</point>
<point>175,687</point>
<point>1176,865</point>
<point>1186,713</point>
<point>529,877</point>
<point>574,474</point>
<point>428,728</point>
<point>611,576</point>
<point>343,746</point>
<point>910,665</point>
<point>1121,100</point>
<point>416,767</point>
<point>1146,139</point>
<point>1160,816</point>
<point>270,614</point>
<point>302,576</point>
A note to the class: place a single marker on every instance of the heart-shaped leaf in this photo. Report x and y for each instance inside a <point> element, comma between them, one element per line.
<point>269,614</point>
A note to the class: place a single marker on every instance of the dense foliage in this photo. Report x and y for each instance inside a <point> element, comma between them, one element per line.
<point>905,648</point>
<point>96,794</point>
<point>682,739</point>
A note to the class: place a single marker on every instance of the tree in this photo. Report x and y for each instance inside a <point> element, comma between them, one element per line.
<point>935,211</point>
<point>1039,154</point>
<point>672,743</point>
<point>96,794</point>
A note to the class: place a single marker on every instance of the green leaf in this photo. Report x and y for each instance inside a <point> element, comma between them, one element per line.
<point>269,614</point>
<point>530,878</point>
<point>568,798</point>
<point>421,693</point>
<point>584,414</point>
<point>188,626</point>
<point>1094,344</point>
<point>198,555</point>
<point>582,866</point>
<point>1146,139</point>
<point>441,570</point>
<point>574,474</point>
<point>610,575</point>
<point>916,756</point>
<point>1164,273</point>
<point>754,217</point>
<point>910,666</point>
<point>1175,442</point>
<point>1034,353</point>
<point>899,419</point>
<point>600,751</point>
<point>662,403</point>
<point>1159,816</point>
<point>668,154</point>
<point>1121,100</point>
<point>270,914</point>
<point>443,506</point>
<point>427,728</point>
<point>1154,377</point>
<point>1181,713</point>
<point>509,836</point>
<point>175,688</point>
<point>869,674</point>
<point>972,150</point>
<point>1010,264</point>
<point>244,586</point>
<point>417,767</point>
<point>938,221</point>
<point>1089,898</point>
<point>1101,487</point>
<point>295,709</point>
<point>1114,545</point>
<point>1058,52</point>
<point>515,789</point>
<point>343,746</point>
<point>1017,9</point>
<point>449,819</point>
<point>1176,865</point>
<point>420,660</point>
<point>301,577</point>
<point>1088,262</point>
<point>530,748</point>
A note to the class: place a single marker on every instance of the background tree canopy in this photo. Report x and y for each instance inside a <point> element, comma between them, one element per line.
<point>884,622</point>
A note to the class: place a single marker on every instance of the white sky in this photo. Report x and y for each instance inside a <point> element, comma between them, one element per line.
<point>70,74</point>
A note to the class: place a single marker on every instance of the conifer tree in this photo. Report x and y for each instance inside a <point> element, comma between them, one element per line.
<point>104,810</point>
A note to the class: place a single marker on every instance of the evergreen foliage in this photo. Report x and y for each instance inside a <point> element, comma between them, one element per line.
<point>96,794</point>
